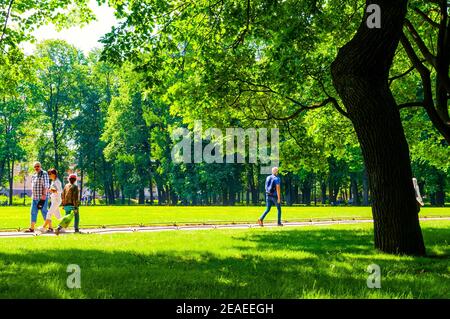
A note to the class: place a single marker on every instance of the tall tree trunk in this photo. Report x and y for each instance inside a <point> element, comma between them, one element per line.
<point>54,124</point>
<point>360,75</point>
<point>433,199</point>
<point>224,197</point>
<point>95,182</point>
<point>288,189</point>
<point>11,180</point>
<point>81,184</point>
<point>306,190</point>
<point>354,189</point>
<point>253,186</point>
<point>323,190</point>
<point>295,194</point>
<point>365,186</point>
<point>123,194</point>
<point>160,196</point>
<point>2,170</point>
<point>440,191</point>
<point>141,199</point>
<point>152,199</point>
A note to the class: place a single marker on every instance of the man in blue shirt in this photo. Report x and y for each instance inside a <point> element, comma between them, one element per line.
<point>273,196</point>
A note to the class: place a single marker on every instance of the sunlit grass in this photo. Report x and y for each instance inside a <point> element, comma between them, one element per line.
<point>19,217</point>
<point>309,262</point>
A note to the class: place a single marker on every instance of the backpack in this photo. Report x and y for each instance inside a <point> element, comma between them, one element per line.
<point>270,185</point>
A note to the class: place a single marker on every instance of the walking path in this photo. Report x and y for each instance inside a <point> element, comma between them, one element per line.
<point>111,230</point>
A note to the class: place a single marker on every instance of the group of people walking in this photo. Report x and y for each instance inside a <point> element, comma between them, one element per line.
<point>46,185</point>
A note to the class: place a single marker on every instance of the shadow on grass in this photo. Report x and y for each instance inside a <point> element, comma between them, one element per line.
<point>274,264</point>
<point>325,240</point>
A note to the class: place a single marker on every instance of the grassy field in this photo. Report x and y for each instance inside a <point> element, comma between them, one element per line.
<point>18,217</point>
<point>310,262</point>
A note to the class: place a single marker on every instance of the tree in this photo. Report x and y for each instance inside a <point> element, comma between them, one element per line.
<point>127,135</point>
<point>260,57</point>
<point>360,75</point>
<point>15,112</point>
<point>18,18</point>
<point>59,100</point>
<point>96,87</point>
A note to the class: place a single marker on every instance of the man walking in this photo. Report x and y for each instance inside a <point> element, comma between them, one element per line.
<point>273,196</point>
<point>39,187</point>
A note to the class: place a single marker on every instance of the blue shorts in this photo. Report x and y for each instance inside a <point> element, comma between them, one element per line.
<point>34,209</point>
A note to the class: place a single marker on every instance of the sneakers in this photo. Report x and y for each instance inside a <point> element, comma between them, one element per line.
<point>59,230</point>
<point>50,230</point>
<point>29,230</point>
<point>42,230</point>
<point>280,224</point>
<point>260,223</point>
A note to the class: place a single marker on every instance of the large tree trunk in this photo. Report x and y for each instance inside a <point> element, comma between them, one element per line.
<point>360,75</point>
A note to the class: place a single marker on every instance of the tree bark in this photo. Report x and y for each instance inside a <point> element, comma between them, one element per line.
<point>360,75</point>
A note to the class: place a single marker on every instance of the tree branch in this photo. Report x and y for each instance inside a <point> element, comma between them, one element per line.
<point>240,38</point>
<point>426,18</point>
<point>420,43</point>
<point>333,100</point>
<point>410,104</point>
<point>303,108</point>
<point>399,76</point>
<point>8,14</point>
<point>268,89</point>
<point>428,102</point>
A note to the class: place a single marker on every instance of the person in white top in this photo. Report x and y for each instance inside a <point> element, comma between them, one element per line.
<point>55,197</point>
<point>419,200</point>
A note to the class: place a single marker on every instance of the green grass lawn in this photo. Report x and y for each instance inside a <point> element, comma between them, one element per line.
<point>307,262</point>
<point>15,217</point>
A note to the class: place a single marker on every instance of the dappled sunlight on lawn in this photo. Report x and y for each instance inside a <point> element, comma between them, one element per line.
<point>322,262</point>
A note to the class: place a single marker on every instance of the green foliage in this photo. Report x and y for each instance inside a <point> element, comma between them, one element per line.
<point>227,63</point>
<point>59,69</point>
<point>19,18</point>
